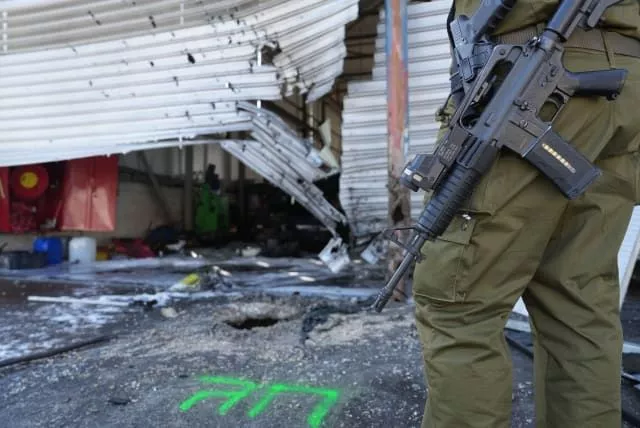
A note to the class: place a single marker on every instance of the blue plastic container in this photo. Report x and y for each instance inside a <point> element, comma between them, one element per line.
<point>53,247</point>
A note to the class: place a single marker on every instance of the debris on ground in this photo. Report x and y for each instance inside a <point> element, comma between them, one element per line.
<point>287,328</point>
<point>318,316</point>
<point>209,278</point>
<point>250,251</point>
<point>170,373</point>
<point>168,312</point>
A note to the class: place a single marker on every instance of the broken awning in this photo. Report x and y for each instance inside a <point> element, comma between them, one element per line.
<point>67,81</point>
<point>84,78</point>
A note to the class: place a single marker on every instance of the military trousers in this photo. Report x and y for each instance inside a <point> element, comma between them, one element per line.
<point>520,237</point>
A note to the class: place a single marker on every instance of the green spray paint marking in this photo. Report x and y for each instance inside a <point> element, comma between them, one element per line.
<point>315,417</point>
<point>233,397</point>
<point>247,388</point>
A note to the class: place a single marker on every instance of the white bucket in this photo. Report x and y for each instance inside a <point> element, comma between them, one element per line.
<point>82,249</point>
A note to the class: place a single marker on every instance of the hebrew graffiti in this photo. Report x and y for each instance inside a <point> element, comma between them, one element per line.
<point>242,389</point>
<point>233,397</point>
<point>319,411</point>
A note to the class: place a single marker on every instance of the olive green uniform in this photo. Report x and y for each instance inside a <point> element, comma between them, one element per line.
<point>519,236</point>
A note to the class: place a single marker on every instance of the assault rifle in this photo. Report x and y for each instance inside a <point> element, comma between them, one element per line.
<point>506,88</point>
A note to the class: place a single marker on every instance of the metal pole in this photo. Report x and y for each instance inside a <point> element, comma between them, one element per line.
<point>188,189</point>
<point>227,178</point>
<point>397,53</point>
<point>155,186</point>
<point>242,196</point>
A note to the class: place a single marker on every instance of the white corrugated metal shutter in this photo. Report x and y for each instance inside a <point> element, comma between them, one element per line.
<point>363,192</point>
<point>110,74</point>
<point>84,78</point>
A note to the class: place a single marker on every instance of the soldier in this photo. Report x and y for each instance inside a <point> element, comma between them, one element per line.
<point>519,236</point>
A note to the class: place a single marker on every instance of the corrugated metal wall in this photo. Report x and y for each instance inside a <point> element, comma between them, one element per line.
<point>80,78</point>
<point>363,191</point>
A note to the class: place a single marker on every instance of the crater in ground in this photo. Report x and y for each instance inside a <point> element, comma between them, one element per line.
<point>250,315</point>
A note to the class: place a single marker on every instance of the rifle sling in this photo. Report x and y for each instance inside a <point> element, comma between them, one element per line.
<point>593,40</point>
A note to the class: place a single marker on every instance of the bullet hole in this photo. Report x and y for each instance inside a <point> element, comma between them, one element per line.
<point>91,83</point>
<point>213,106</point>
<point>97,21</point>
<point>269,53</point>
<point>191,59</point>
<point>153,22</point>
<point>153,64</point>
<point>175,79</point>
<point>229,85</point>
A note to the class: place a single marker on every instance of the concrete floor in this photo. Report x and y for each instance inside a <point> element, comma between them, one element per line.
<point>319,360</point>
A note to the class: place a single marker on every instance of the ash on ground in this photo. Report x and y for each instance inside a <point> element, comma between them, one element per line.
<point>254,356</point>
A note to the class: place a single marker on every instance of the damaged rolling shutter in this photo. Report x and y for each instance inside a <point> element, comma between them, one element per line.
<point>363,191</point>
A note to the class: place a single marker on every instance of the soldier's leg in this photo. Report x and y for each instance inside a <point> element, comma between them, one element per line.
<point>473,274</point>
<point>574,297</point>
<point>573,302</point>
<point>465,290</point>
